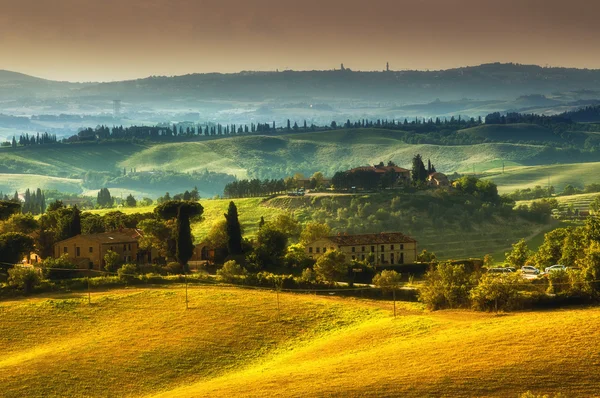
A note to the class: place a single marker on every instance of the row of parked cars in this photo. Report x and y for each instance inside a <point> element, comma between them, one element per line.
<point>530,269</point>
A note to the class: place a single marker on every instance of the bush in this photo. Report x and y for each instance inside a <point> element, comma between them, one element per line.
<point>308,275</point>
<point>387,280</point>
<point>59,268</point>
<point>497,292</point>
<point>558,282</point>
<point>127,272</point>
<point>112,261</point>
<point>447,286</point>
<point>231,271</point>
<point>24,279</point>
<point>174,268</point>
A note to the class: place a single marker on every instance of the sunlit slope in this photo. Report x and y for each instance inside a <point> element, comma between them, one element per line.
<point>558,175</point>
<point>440,354</point>
<point>134,342</point>
<point>64,160</point>
<point>250,210</point>
<point>327,151</point>
<point>140,343</point>
<point>511,132</point>
<point>9,183</point>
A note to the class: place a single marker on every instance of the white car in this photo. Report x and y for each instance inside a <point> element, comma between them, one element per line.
<point>555,267</point>
<point>530,269</point>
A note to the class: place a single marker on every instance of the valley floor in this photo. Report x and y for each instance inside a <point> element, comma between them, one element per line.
<point>231,342</point>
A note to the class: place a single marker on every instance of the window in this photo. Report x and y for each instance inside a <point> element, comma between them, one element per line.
<point>372,249</point>
<point>401,247</point>
<point>124,247</point>
<point>392,247</point>
<point>324,249</point>
<point>363,257</point>
<point>392,258</point>
<point>130,247</point>
<point>318,249</point>
<point>91,249</point>
<point>310,249</point>
<point>382,248</point>
<point>401,258</point>
<point>353,257</point>
<point>78,251</point>
<point>363,248</point>
<point>382,259</point>
<point>65,249</point>
<point>353,249</point>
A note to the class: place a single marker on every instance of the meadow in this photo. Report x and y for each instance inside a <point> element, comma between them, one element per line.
<point>231,342</point>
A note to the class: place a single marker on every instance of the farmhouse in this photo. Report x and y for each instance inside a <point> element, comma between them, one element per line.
<point>438,180</point>
<point>386,248</point>
<point>400,174</point>
<point>87,251</point>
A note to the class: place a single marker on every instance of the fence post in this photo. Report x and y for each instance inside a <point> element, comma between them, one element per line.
<point>186,291</point>
<point>394,293</point>
<point>89,293</point>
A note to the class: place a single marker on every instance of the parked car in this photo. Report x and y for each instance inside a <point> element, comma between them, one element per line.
<point>530,269</point>
<point>500,270</point>
<point>555,267</point>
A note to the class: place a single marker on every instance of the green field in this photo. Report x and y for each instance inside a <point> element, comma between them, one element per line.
<point>144,343</point>
<point>511,132</point>
<point>9,183</point>
<point>581,201</point>
<point>558,175</point>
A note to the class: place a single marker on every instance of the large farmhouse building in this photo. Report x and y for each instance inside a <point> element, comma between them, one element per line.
<point>87,251</point>
<point>391,248</point>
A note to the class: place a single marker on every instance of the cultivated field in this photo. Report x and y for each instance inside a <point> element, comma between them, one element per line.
<point>143,343</point>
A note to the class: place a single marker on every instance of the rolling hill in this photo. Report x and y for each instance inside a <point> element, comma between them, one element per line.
<point>143,343</point>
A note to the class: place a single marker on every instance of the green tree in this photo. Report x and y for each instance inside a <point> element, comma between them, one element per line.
<point>8,208</point>
<point>182,211</point>
<point>331,266</point>
<point>112,261</point>
<point>519,254</point>
<point>446,286</point>
<point>24,279</point>
<point>234,231</point>
<point>388,280</point>
<point>314,231</point>
<point>13,247</point>
<point>498,292</point>
<point>287,224</point>
<point>130,201</point>
<point>426,257</point>
<point>418,172</point>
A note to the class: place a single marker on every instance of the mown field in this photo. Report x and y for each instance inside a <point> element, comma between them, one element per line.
<point>144,343</point>
<point>580,201</point>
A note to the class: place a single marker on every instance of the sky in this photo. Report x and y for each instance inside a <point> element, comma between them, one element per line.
<point>104,40</point>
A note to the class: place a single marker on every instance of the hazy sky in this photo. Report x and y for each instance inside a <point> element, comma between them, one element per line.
<point>83,40</point>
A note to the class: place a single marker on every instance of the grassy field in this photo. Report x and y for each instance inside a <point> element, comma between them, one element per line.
<point>511,132</point>
<point>559,175</point>
<point>581,201</point>
<point>143,343</point>
<point>9,183</point>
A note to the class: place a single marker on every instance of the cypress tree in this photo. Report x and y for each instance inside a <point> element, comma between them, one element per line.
<point>234,230</point>
<point>75,222</point>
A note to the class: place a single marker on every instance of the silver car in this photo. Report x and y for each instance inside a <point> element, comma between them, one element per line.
<point>530,269</point>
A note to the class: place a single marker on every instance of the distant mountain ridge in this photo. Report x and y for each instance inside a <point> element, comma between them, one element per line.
<point>483,82</point>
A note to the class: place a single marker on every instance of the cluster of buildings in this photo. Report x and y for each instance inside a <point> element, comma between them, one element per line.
<point>88,251</point>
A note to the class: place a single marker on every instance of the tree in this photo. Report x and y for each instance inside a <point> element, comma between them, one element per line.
<point>130,201</point>
<point>8,208</point>
<point>314,231</point>
<point>23,278</point>
<point>331,266</point>
<point>519,254</point>
<point>13,246</point>
<point>270,247</point>
<point>24,223</point>
<point>287,224</point>
<point>75,227</point>
<point>446,286</point>
<point>234,231</point>
<point>418,173</point>
<point>426,257</point>
<point>182,211</point>
<point>496,292</point>
<point>388,280</point>
<point>595,204</point>
<point>112,261</point>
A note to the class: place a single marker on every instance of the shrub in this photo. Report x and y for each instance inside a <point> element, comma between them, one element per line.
<point>558,282</point>
<point>231,271</point>
<point>112,261</point>
<point>331,266</point>
<point>59,268</point>
<point>387,280</point>
<point>497,292</point>
<point>127,272</point>
<point>447,286</point>
<point>24,279</point>
<point>174,268</point>
<point>308,275</point>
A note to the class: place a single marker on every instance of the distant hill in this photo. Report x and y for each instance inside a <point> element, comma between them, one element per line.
<point>511,132</point>
<point>489,81</point>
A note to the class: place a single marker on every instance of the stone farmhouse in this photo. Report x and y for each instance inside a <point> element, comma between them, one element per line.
<point>87,251</point>
<point>438,180</point>
<point>386,248</point>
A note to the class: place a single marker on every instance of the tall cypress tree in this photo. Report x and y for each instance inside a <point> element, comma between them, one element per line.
<point>75,222</point>
<point>234,230</point>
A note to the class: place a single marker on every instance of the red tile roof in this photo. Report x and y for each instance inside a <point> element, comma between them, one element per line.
<point>368,239</point>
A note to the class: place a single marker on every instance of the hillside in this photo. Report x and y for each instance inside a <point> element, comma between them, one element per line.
<point>557,175</point>
<point>143,343</point>
<point>511,132</point>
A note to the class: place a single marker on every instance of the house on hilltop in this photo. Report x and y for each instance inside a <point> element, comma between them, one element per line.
<point>438,180</point>
<point>386,248</point>
<point>87,251</point>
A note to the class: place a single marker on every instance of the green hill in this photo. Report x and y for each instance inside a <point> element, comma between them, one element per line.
<point>143,343</point>
<point>511,132</point>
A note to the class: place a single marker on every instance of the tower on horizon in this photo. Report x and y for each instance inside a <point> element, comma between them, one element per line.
<point>387,66</point>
